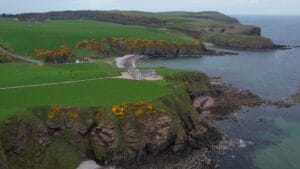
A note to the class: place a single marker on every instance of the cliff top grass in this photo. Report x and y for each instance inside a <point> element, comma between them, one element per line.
<point>19,74</point>
<point>24,37</point>
<point>92,93</point>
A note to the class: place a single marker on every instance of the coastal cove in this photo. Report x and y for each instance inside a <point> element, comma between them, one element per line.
<point>271,134</point>
<point>144,90</point>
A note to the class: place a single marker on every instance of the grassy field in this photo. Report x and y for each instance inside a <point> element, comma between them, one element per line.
<point>93,93</point>
<point>16,74</point>
<point>24,37</point>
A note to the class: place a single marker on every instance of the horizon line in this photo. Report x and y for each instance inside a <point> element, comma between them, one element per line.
<point>249,14</point>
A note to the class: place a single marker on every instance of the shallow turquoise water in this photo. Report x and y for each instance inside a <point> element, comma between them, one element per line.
<point>284,154</point>
<point>274,134</point>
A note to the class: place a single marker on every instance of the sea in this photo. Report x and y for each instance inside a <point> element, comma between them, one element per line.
<point>271,134</point>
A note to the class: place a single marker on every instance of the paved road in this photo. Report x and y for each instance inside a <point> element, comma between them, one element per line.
<point>21,57</point>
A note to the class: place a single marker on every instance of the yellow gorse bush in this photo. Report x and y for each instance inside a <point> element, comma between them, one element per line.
<point>70,112</point>
<point>136,109</point>
<point>130,44</point>
<point>74,115</point>
<point>54,111</point>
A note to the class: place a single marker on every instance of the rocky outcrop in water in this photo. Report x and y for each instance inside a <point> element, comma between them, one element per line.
<point>296,97</point>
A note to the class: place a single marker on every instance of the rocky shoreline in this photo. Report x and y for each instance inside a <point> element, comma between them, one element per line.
<point>296,97</point>
<point>216,103</point>
<point>221,100</point>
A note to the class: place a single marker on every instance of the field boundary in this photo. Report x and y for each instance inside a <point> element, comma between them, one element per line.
<point>21,57</point>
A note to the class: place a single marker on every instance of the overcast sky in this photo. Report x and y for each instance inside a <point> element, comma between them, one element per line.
<point>273,7</point>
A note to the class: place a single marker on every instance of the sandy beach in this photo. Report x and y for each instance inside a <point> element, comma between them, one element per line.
<point>128,61</point>
<point>91,164</point>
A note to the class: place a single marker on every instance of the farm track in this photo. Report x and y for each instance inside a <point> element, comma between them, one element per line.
<point>55,83</point>
<point>21,57</point>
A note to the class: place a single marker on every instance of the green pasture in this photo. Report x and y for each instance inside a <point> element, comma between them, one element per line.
<point>19,74</point>
<point>25,37</point>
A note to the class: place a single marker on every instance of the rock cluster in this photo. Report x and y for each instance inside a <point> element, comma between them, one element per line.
<point>296,97</point>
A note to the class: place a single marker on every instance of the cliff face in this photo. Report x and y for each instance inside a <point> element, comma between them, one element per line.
<point>62,137</point>
<point>244,42</point>
<point>3,159</point>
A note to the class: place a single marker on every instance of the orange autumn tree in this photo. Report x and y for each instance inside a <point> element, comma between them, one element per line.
<point>57,56</point>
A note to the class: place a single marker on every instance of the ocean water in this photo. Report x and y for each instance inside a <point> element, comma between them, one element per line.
<point>272,134</point>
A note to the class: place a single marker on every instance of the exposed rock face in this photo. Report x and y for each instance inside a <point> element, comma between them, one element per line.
<point>42,136</point>
<point>252,30</point>
<point>70,118</point>
<point>20,134</point>
<point>204,102</point>
<point>223,99</point>
<point>104,141</point>
<point>296,97</point>
<point>205,139</point>
<point>159,135</point>
<point>22,138</point>
<point>3,159</point>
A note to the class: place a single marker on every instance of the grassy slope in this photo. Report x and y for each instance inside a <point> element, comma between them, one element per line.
<point>16,74</point>
<point>94,93</point>
<point>25,37</point>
